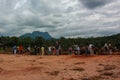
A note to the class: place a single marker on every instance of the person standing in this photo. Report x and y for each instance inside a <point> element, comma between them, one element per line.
<point>38,50</point>
<point>110,48</point>
<point>53,50</point>
<point>91,49</point>
<point>78,50</point>
<point>28,49</point>
<point>70,50</point>
<point>42,50</point>
<point>106,48</point>
<point>57,47</point>
<point>87,50</point>
<point>14,49</point>
<point>35,50</point>
<point>49,50</point>
<point>21,49</point>
<point>17,49</point>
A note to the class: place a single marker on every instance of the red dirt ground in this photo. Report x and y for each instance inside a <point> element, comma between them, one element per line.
<point>63,67</point>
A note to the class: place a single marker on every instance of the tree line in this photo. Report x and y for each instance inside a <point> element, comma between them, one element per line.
<point>65,43</point>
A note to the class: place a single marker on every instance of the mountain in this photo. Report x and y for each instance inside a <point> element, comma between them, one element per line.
<point>35,34</point>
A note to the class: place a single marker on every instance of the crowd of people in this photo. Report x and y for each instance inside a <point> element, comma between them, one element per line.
<point>17,49</point>
<point>57,50</point>
<point>36,50</point>
<point>91,49</point>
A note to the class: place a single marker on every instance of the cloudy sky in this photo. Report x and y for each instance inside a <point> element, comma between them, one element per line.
<point>61,18</point>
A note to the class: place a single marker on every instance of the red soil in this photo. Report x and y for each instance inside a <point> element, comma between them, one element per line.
<point>29,67</point>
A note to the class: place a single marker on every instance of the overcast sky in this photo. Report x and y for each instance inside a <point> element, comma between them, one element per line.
<point>61,18</point>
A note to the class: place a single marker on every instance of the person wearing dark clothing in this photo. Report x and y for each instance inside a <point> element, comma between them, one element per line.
<point>57,47</point>
<point>87,50</point>
<point>35,50</point>
<point>38,50</point>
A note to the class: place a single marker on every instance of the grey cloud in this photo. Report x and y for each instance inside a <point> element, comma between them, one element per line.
<point>92,4</point>
<point>108,32</point>
<point>46,26</point>
<point>57,15</point>
<point>56,22</point>
<point>70,9</point>
<point>60,17</point>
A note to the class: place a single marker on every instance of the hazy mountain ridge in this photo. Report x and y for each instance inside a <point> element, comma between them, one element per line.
<point>35,34</point>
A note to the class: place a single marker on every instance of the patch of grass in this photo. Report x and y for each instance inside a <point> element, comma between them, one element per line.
<point>1,49</point>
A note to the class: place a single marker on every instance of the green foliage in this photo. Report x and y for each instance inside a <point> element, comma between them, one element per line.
<point>1,49</point>
<point>25,41</point>
<point>64,42</point>
<point>39,41</point>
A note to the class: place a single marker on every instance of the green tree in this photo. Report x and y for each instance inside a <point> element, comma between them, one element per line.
<point>39,41</point>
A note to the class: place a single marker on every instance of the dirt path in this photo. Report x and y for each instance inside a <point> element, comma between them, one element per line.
<point>27,67</point>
